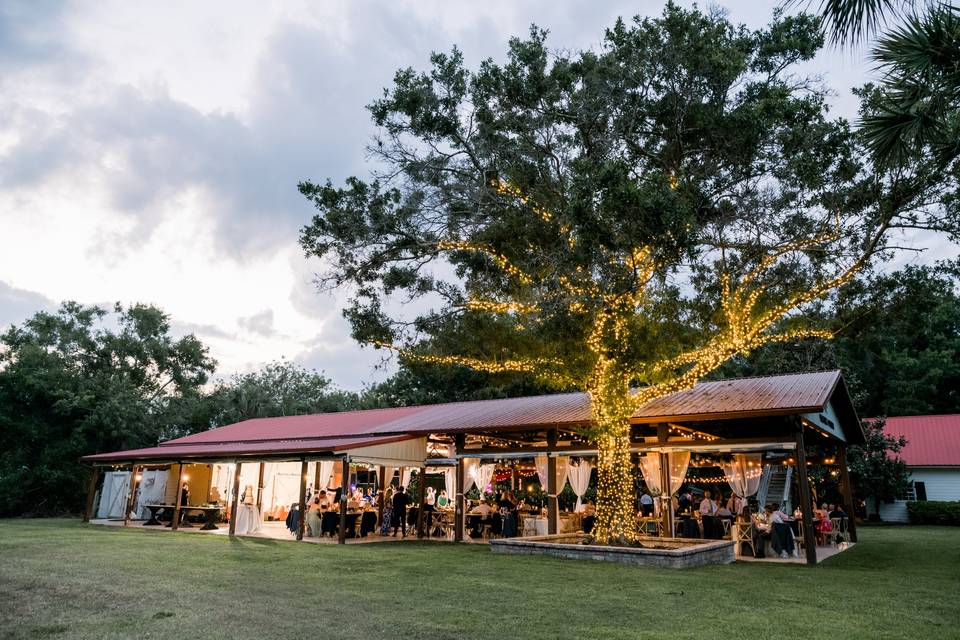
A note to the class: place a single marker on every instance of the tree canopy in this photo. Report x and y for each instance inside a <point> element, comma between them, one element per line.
<point>81,381</point>
<point>631,217</point>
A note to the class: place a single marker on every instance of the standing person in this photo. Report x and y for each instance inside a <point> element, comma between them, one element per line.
<point>387,512</point>
<point>399,515</point>
<point>646,504</point>
<point>708,515</point>
<point>429,506</point>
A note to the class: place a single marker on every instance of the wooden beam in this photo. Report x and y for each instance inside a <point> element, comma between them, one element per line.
<point>235,499</point>
<point>91,493</point>
<point>260,490</point>
<point>458,511</point>
<point>132,495</point>
<point>553,507</point>
<point>847,491</point>
<point>806,506</point>
<point>303,499</point>
<point>422,500</point>
<point>637,446</point>
<point>175,523</point>
<point>382,496</point>
<point>344,488</point>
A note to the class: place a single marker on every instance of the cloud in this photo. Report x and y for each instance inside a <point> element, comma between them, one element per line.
<point>259,323</point>
<point>17,305</point>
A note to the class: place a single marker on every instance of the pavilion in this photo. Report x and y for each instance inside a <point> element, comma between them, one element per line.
<point>796,420</point>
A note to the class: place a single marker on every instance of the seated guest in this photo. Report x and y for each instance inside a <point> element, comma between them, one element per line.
<point>781,536</point>
<point>735,504</point>
<point>646,504</point>
<point>838,512</point>
<point>589,516</point>
<point>443,500</point>
<point>482,509</point>
<point>824,525</point>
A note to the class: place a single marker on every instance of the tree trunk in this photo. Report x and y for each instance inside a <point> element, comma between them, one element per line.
<point>615,516</point>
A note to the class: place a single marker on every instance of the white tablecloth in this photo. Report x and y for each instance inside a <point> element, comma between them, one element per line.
<point>539,525</point>
<point>248,519</point>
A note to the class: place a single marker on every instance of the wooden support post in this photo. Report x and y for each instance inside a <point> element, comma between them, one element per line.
<point>302,500</point>
<point>553,506</point>
<point>666,496</point>
<point>175,522</point>
<point>459,511</point>
<point>91,493</point>
<point>344,488</point>
<point>847,491</point>
<point>806,502</point>
<point>381,498</point>
<point>235,499</point>
<point>260,491</point>
<point>132,495</point>
<point>421,500</point>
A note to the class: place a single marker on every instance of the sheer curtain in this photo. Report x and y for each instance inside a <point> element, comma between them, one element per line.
<point>388,474</point>
<point>450,481</point>
<point>579,477</point>
<point>679,461</point>
<point>743,473</point>
<point>478,474</point>
<point>326,470</point>
<point>650,468</point>
<point>541,463</point>
<point>405,473</point>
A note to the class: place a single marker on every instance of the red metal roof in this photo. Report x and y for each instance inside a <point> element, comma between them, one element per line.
<point>931,440</point>
<point>769,395</point>
<point>171,451</point>
<point>772,395</point>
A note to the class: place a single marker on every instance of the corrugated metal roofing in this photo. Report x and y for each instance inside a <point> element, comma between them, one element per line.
<point>171,451</point>
<point>931,440</point>
<point>769,395</point>
<point>772,395</point>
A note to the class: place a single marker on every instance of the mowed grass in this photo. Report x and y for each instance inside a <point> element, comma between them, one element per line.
<point>62,579</point>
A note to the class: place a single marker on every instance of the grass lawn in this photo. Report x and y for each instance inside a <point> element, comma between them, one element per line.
<point>59,578</point>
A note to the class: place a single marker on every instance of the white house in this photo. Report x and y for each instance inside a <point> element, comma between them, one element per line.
<point>933,455</point>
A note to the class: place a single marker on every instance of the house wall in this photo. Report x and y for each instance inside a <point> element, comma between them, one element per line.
<point>941,483</point>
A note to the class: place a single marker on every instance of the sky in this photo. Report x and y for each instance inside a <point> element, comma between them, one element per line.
<point>150,152</point>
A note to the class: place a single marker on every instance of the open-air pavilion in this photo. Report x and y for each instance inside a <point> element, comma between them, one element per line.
<point>762,432</point>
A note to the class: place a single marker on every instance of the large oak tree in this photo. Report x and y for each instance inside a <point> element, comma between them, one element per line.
<point>622,220</point>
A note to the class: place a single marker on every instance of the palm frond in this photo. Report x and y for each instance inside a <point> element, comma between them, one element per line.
<point>851,21</point>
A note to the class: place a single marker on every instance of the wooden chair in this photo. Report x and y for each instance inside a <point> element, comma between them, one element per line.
<point>841,529</point>
<point>726,523</point>
<point>742,534</point>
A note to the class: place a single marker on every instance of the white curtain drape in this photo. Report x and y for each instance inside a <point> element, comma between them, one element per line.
<point>650,468</point>
<point>479,474</point>
<point>579,477</point>
<point>388,474</point>
<point>326,470</point>
<point>743,473</point>
<point>450,482</point>
<point>405,473</point>
<point>562,470</point>
<point>678,462</point>
<point>540,462</point>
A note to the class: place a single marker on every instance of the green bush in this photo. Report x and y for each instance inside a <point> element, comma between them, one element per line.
<point>934,512</point>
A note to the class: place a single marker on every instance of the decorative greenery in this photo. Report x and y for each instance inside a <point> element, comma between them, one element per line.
<point>934,512</point>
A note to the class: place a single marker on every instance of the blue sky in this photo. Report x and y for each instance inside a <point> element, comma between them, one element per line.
<point>150,152</point>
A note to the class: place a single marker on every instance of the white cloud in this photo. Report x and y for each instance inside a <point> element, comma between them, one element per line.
<point>150,152</point>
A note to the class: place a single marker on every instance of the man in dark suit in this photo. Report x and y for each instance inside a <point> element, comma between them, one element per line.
<point>400,502</point>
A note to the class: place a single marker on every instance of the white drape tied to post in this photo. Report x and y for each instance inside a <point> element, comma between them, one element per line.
<point>405,474</point>
<point>326,470</point>
<point>677,461</point>
<point>478,474</point>
<point>388,476</point>
<point>743,473</point>
<point>450,481</point>
<point>579,477</point>
<point>562,472</point>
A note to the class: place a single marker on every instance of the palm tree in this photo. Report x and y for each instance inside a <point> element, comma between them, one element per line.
<point>919,57</point>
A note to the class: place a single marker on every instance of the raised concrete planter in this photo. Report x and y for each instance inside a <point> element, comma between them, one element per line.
<point>675,553</point>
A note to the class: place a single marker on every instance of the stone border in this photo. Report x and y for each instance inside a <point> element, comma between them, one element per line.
<point>693,552</point>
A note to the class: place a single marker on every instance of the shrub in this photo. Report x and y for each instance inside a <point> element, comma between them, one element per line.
<point>934,512</point>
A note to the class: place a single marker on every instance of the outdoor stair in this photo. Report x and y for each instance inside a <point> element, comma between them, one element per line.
<point>775,486</point>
